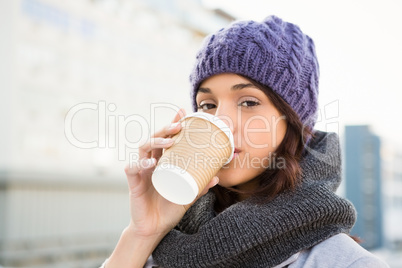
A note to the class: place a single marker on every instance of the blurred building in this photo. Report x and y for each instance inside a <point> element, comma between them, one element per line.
<point>393,197</point>
<point>82,83</point>
<point>364,184</point>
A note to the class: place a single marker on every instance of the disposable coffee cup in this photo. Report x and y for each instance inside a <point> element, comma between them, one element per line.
<point>203,146</point>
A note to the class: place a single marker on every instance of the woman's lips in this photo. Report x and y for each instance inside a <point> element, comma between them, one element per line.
<point>236,152</point>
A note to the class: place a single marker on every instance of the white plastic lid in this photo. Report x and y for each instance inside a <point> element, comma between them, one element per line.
<point>175,184</point>
<point>220,124</point>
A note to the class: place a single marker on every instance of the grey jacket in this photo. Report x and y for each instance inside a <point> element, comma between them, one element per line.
<point>339,251</point>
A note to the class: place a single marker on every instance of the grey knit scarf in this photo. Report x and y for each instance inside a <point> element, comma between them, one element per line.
<point>248,234</point>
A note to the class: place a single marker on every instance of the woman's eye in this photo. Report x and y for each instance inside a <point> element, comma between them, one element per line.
<point>249,103</point>
<point>206,106</point>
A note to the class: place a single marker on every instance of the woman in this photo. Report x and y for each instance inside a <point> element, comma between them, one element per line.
<point>273,205</point>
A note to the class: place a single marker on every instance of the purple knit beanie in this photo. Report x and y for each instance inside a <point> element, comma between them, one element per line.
<point>274,53</point>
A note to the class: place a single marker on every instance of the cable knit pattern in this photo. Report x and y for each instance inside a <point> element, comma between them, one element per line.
<point>248,234</point>
<point>275,53</point>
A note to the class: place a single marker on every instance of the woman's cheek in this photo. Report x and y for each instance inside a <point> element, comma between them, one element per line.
<point>256,133</point>
<point>257,141</point>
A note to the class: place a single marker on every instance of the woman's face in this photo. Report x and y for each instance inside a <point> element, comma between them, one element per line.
<point>258,127</point>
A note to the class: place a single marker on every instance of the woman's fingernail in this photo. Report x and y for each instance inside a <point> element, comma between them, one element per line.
<point>166,141</point>
<point>216,180</point>
<point>172,126</point>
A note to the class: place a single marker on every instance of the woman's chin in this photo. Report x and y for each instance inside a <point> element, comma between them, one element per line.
<point>228,177</point>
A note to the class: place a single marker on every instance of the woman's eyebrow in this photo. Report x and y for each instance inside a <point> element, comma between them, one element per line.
<point>204,90</point>
<point>234,87</point>
<point>241,86</point>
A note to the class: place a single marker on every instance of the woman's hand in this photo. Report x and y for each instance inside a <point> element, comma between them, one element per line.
<point>151,214</point>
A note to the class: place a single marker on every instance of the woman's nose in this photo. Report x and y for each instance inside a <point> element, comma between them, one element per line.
<point>228,116</point>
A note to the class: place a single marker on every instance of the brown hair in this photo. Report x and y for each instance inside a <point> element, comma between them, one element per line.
<point>273,180</point>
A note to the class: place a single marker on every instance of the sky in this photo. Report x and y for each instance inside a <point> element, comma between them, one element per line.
<point>359,49</point>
